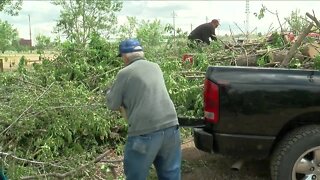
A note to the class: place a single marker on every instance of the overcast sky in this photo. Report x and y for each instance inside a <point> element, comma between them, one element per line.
<point>189,14</point>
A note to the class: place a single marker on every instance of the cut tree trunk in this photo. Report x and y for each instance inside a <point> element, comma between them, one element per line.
<point>311,50</point>
<point>243,60</point>
<point>274,56</point>
<point>279,56</point>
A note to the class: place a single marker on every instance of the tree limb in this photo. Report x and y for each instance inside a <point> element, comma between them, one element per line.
<point>232,36</point>
<point>69,173</point>
<point>253,30</point>
<point>279,21</point>
<point>313,18</point>
<point>31,114</point>
<point>276,14</point>
<point>27,82</point>
<point>295,46</point>
<point>239,28</point>
<point>29,161</point>
<point>246,55</point>
<point>26,110</point>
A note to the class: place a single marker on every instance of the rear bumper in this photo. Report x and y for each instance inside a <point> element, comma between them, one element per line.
<point>203,140</point>
<point>244,146</point>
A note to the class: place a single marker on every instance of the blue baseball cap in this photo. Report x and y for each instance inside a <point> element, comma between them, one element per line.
<point>128,46</point>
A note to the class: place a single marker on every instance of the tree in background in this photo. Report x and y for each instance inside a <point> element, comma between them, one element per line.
<point>79,19</point>
<point>296,22</point>
<point>151,33</point>
<point>7,35</point>
<point>42,43</point>
<point>129,29</point>
<point>10,7</point>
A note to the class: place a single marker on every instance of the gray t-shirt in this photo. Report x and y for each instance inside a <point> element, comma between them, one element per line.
<point>141,90</point>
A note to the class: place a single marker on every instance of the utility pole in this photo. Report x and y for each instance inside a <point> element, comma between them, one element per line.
<point>174,15</point>
<point>206,19</point>
<point>30,33</point>
<point>247,17</point>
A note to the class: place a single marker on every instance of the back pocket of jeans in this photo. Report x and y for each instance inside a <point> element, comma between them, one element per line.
<point>140,145</point>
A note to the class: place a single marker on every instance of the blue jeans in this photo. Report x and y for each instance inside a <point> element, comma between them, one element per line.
<point>2,175</point>
<point>161,148</point>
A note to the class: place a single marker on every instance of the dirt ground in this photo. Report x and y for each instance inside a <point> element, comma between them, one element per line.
<point>198,165</point>
<point>203,166</point>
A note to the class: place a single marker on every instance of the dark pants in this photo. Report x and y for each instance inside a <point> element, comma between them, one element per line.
<point>195,43</point>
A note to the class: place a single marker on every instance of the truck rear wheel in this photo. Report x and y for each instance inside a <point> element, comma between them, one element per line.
<point>297,156</point>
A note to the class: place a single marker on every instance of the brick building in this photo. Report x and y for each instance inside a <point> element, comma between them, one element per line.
<point>25,42</point>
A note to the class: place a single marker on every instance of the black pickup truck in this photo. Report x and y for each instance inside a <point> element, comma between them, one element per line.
<point>264,113</point>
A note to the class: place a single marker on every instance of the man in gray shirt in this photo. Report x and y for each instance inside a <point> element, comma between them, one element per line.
<point>153,133</point>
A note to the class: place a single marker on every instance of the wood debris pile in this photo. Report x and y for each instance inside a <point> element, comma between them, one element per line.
<point>277,50</point>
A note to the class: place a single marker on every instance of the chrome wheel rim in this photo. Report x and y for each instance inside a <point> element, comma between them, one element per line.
<point>307,166</point>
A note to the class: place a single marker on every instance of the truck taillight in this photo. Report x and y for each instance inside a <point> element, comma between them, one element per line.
<point>211,101</point>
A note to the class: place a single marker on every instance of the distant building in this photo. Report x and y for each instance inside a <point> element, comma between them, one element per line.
<point>25,42</point>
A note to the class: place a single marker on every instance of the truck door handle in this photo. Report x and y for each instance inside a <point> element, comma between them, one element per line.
<point>310,77</point>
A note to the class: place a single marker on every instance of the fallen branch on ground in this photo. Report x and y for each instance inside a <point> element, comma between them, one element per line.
<point>26,110</point>
<point>67,174</point>
<point>29,161</point>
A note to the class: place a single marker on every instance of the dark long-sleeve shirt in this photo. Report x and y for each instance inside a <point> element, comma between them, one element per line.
<point>203,33</point>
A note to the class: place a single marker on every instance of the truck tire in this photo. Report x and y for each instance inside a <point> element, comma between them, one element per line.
<point>297,156</point>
